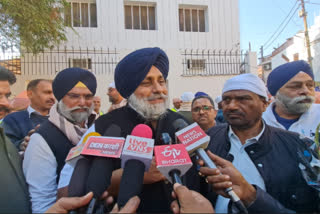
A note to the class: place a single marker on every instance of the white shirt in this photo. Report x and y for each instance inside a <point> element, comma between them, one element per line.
<point>39,167</point>
<point>66,172</point>
<point>306,125</point>
<point>243,164</point>
<point>32,110</point>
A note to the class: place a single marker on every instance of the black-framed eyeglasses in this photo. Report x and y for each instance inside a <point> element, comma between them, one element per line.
<point>203,108</point>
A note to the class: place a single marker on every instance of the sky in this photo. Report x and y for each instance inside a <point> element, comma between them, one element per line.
<point>260,22</point>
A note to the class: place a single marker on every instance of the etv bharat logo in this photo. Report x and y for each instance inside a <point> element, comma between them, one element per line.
<point>173,152</point>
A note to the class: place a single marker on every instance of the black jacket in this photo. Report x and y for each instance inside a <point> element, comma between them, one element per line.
<point>275,157</point>
<point>155,197</point>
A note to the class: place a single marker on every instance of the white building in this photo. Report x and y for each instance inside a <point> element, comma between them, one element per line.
<point>295,49</point>
<point>201,38</point>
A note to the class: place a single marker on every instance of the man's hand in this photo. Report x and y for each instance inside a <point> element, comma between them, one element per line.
<point>25,142</point>
<point>63,205</point>
<point>228,176</point>
<point>190,201</point>
<point>153,175</point>
<point>130,207</point>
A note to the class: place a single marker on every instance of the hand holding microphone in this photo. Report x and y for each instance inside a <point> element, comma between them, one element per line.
<point>227,176</point>
<point>195,141</point>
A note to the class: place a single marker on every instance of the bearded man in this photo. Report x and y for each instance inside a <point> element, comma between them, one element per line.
<point>69,119</point>
<point>292,85</point>
<point>140,77</point>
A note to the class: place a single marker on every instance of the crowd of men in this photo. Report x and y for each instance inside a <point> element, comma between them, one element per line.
<point>267,153</point>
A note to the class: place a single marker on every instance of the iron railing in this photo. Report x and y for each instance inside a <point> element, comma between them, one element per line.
<point>99,61</point>
<point>213,62</point>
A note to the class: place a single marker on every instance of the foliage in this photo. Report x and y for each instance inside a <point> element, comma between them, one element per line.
<point>33,25</point>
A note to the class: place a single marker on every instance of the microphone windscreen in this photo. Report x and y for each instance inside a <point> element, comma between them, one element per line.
<point>131,181</point>
<point>99,178</point>
<point>142,130</point>
<point>79,178</point>
<point>113,131</point>
<point>179,124</point>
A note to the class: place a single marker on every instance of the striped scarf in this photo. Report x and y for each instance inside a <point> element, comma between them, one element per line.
<point>72,131</point>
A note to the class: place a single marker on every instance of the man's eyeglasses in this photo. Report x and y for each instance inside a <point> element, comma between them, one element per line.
<point>78,96</point>
<point>203,108</point>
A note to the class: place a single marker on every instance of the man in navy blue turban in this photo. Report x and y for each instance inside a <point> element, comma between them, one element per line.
<point>140,77</point>
<point>48,148</point>
<point>292,85</point>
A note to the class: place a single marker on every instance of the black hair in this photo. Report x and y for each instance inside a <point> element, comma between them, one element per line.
<point>33,83</point>
<point>203,97</point>
<point>6,75</point>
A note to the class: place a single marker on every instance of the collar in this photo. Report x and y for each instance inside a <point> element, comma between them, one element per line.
<point>32,110</point>
<point>250,141</point>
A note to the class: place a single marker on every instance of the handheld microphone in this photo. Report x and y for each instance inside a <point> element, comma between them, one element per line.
<point>165,139</point>
<point>172,161</point>
<point>195,141</point>
<point>136,158</point>
<point>106,149</point>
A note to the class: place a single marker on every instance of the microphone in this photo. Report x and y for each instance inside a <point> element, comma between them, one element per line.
<point>107,149</point>
<point>195,141</point>
<point>165,139</point>
<point>172,161</point>
<point>136,158</point>
<point>78,179</point>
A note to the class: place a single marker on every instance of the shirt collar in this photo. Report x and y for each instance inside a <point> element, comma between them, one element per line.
<point>251,140</point>
<point>32,110</point>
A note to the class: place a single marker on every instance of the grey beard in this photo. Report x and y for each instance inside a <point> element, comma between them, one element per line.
<point>292,105</point>
<point>146,110</point>
<point>75,117</point>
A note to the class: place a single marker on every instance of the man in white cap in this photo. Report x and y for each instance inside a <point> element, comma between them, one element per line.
<point>185,109</point>
<point>260,162</point>
<point>117,101</point>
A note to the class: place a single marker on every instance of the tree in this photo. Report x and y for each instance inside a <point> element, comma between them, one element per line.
<point>33,25</point>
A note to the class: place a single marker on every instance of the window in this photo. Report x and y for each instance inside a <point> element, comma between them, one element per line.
<point>80,63</point>
<point>140,17</point>
<point>81,14</point>
<point>196,64</point>
<point>192,19</point>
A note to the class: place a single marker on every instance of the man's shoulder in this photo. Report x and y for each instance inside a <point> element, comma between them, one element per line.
<point>18,115</point>
<point>218,129</point>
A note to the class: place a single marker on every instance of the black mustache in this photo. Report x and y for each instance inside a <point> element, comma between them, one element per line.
<point>234,113</point>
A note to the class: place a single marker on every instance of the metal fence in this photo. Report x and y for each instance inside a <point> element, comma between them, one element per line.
<point>213,62</point>
<point>99,61</point>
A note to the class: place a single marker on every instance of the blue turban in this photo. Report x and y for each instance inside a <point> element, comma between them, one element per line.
<point>70,77</point>
<point>200,93</point>
<point>133,68</point>
<point>283,73</point>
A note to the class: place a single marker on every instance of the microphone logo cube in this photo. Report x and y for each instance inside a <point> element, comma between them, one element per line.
<point>172,157</point>
<point>138,148</point>
<point>110,147</point>
<point>193,137</point>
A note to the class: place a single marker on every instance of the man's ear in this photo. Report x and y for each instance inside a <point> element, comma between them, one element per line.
<point>29,94</point>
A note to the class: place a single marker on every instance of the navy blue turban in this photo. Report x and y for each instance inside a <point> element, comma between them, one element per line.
<point>134,67</point>
<point>200,93</point>
<point>69,78</point>
<point>283,73</point>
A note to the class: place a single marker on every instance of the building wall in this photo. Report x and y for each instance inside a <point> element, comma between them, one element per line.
<point>222,34</point>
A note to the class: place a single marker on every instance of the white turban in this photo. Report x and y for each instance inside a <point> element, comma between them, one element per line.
<point>249,82</point>
<point>112,85</point>
<point>218,99</point>
<point>187,96</point>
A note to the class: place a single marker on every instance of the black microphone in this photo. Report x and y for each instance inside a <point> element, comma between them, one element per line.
<point>100,173</point>
<point>78,180</point>
<point>135,160</point>
<point>179,124</point>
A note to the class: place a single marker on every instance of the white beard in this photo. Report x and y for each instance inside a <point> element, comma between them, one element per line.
<point>292,104</point>
<point>149,111</point>
<point>77,117</point>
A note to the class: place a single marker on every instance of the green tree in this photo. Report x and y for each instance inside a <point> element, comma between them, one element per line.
<point>33,25</point>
